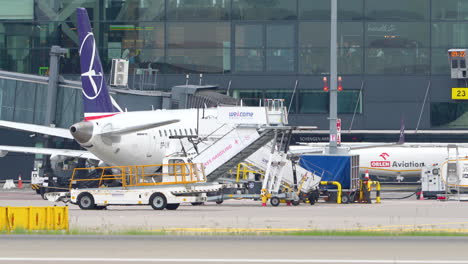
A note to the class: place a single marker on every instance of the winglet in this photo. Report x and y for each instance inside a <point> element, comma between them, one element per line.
<point>402,132</point>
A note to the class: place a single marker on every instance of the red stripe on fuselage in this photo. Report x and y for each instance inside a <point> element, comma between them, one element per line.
<point>88,118</point>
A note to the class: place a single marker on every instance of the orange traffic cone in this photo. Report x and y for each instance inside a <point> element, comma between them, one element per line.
<point>421,195</point>
<point>367,175</point>
<point>20,182</point>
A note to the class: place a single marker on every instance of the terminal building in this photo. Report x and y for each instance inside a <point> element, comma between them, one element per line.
<point>392,56</point>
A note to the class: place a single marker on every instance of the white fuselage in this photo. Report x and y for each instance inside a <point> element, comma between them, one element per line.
<point>150,146</point>
<point>404,160</point>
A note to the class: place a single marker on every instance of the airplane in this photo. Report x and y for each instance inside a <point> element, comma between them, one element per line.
<point>120,138</point>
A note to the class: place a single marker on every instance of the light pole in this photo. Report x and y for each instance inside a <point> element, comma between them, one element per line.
<point>333,147</point>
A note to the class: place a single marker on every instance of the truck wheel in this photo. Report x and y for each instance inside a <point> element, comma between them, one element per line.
<point>275,201</point>
<point>38,191</point>
<point>172,206</point>
<point>86,201</point>
<point>219,202</point>
<point>295,203</point>
<point>158,201</point>
<point>345,198</point>
<point>332,197</point>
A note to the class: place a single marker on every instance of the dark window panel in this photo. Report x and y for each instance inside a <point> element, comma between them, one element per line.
<point>70,63</point>
<point>397,61</point>
<point>350,10</point>
<point>132,36</point>
<point>314,9</point>
<point>280,60</point>
<point>249,97</point>
<point>350,60</point>
<point>440,62</point>
<point>198,60</point>
<point>450,34</point>
<point>283,94</point>
<point>24,102</point>
<point>194,10</point>
<point>397,35</point>
<point>347,100</point>
<point>146,59</point>
<point>64,10</point>
<point>249,36</point>
<point>40,104</point>
<point>280,36</point>
<point>249,60</point>
<point>317,34</point>
<point>264,10</point>
<point>313,102</point>
<point>449,115</point>
<point>320,9</point>
<point>134,10</point>
<point>7,98</point>
<point>397,10</point>
<point>314,61</point>
<point>198,35</point>
<point>449,10</point>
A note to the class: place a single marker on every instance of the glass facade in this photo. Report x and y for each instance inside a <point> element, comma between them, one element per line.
<point>232,38</point>
<point>236,36</point>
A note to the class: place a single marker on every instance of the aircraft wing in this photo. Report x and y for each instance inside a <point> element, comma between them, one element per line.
<point>51,131</point>
<point>136,128</point>
<point>48,151</point>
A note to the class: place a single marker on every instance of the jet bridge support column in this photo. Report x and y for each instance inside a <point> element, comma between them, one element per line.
<point>54,69</point>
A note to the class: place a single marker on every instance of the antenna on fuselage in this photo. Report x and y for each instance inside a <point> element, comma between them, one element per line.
<point>201,79</point>
<point>187,77</point>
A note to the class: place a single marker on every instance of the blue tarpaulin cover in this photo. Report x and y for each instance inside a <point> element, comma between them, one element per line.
<point>333,168</point>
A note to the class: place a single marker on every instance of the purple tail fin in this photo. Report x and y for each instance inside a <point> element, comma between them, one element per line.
<point>96,99</point>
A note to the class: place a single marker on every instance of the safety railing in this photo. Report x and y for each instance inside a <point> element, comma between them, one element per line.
<point>142,175</point>
<point>244,169</point>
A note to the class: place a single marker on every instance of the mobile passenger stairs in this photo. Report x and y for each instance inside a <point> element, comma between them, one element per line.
<point>188,177</point>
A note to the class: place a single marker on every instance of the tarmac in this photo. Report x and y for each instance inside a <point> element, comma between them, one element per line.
<point>244,215</point>
<point>232,249</point>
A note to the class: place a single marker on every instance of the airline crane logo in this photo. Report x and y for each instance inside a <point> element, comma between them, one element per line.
<point>92,80</point>
<point>381,163</point>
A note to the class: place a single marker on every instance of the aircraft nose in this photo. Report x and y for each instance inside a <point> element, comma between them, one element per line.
<point>82,131</point>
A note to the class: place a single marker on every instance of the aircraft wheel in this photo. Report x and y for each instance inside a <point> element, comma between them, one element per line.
<point>172,206</point>
<point>86,201</point>
<point>219,202</point>
<point>295,203</point>
<point>275,201</point>
<point>158,201</point>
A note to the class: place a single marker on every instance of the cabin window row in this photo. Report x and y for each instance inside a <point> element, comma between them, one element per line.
<point>178,132</point>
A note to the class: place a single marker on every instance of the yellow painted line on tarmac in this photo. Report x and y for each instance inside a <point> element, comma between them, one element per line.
<point>416,225</point>
<point>436,227</point>
<point>230,230</point>
<point>444,230</point>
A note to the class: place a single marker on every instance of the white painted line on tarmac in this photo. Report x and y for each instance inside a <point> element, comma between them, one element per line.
<point>211,260</point>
